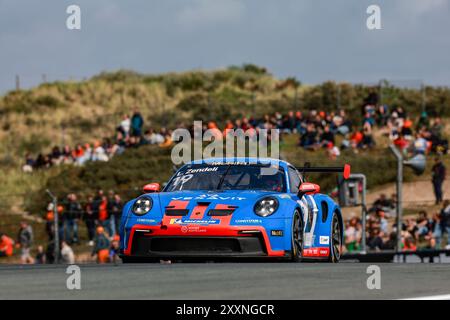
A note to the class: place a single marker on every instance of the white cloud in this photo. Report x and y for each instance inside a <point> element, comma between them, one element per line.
<point>200,13</point>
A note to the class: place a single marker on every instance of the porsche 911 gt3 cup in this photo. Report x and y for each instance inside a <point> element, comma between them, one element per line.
<point>233,208</point>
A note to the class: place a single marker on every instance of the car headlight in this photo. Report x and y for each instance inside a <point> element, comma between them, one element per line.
<point>265,207</point>
<point>142,206</point>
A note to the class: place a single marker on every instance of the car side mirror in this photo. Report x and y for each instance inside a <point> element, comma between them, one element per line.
<point>308,188</point>
<point>152,187</point>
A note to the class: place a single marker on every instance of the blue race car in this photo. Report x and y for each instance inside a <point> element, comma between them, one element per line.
<point>234,208</point>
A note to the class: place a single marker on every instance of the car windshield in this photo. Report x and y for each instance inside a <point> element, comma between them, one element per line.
<point>226,177</point>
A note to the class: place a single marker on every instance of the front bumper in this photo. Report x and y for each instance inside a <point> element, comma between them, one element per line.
<point>198,242</point>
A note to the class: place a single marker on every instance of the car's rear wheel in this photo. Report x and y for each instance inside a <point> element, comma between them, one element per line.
<point>297,237</point>
<point>336,240</point>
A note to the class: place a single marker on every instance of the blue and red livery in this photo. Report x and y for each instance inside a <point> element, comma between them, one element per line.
<point>233,208</point>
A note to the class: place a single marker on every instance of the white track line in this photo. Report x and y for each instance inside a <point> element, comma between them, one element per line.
<point>438,297</point>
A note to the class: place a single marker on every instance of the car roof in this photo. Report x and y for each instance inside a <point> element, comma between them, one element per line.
<point>240,160</point>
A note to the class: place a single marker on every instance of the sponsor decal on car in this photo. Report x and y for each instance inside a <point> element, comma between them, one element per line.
<point>193,221</point>
<point>248,221</point>
<point>188,229</point>
<point>200,170</point>
<point>146,220</point>
<point>324,240</point>
<point>208,197</point>
<point>276,233</point>
<point>233,163</point>
<point>316,252</point>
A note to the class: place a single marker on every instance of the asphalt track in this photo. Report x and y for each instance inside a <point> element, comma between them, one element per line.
<point>226,281</point>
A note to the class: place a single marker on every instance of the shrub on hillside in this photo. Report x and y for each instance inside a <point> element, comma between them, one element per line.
<point>125,174</point>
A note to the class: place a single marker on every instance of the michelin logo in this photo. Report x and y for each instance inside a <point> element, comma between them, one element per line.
<point>193,221</point>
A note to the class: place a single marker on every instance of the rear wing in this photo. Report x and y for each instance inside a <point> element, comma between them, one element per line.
<point>345,170</point>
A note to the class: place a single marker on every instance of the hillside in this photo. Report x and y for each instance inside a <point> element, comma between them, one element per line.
<point>60,113</point>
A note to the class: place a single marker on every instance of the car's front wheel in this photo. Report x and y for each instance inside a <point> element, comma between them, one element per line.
<point>297,237</point>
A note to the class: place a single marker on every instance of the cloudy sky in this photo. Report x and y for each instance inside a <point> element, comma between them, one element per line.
<point>314,40</point>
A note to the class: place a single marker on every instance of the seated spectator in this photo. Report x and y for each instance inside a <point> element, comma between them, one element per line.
<point>78,152</point>
<point>99,153</point>
<point>382,203</point>
<point>374,241</point>
<point>333,151</point>
<point>353,235</point>
<point>125,125</point>
<point>67,255</point>
<point>66,156</point>
<point>168,140</point>
<point>401,143</point>
<point>424,224</point>
<point>445,220</point>
<point>114,249</point>
<point>308,139</point>
<point>40,256</point>
<point>327,136</point>
<point>381,216</point>
<point>407,129</point>
<point>42,162</point>
<point>55,156</point>
<point>382,115</point>
<point>391,243</point>
<point>409,244</point>
<point>367,141</point>
<point>29,163</point>
<point>356,139</point>
<point>420,145</point>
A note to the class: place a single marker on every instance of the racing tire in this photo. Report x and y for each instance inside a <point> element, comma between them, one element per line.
<point>297,240</point>
<point>336,240</point>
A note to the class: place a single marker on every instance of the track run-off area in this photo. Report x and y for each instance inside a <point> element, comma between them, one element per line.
<point>226,281</point>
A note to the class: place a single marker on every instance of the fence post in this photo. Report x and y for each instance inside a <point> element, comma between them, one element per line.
<point>56,225</point>
<point>399,209</point>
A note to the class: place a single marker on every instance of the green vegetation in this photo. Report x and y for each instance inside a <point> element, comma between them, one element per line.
<point>81,112</point>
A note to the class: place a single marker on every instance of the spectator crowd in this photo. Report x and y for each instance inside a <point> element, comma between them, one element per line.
<point>101,215</point>
<point>316,129</point>
<point>418,232</point>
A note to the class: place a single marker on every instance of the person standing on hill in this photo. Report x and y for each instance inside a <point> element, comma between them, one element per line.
<point>89,218</point>
<point>438,177</point>
<point>136,123</point>
<point>72,214</point>
<point>25,241</point>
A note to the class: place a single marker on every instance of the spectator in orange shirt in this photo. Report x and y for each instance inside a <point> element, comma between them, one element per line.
<point>6,245</point>
<point>101,247</point>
